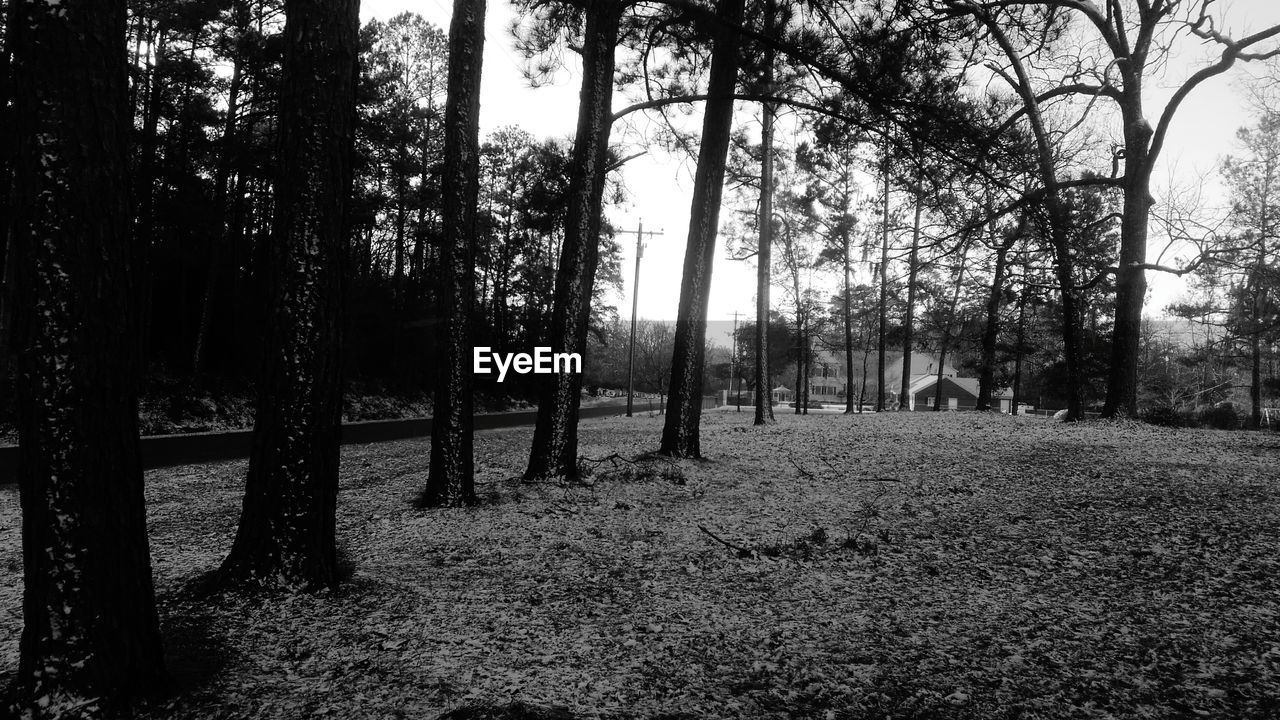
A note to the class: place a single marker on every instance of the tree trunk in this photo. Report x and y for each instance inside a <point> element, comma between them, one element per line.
<point>862,389</point>
<point>145,180</point>
<point>848,331</point>
<point>913,270</point>
<point>1064,270</point>
<point>220,202</point>
<point>1131,278</point>
<point>287,528</point>
<point>417,263</point>
<point>946,331</point>
<point>764,251</point>
<point>555,437</point>
<point>680,436</point>
<point>6,167</point>
<point>451,480</point>
<point>402,190</point>
<point>799,365</point>
<point>884,283</point>
<point>807,363</point>
<point>991,334</point>
<point>91,639</point>
<point>1058,224</point>
<point>1019,352</point>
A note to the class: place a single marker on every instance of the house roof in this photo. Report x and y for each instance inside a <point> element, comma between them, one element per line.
<point>969,385</point>
<point>922,363</point>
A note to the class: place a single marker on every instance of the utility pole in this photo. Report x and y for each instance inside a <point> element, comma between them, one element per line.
<point>635,299</point>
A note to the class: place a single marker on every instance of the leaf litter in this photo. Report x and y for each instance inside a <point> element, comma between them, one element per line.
<point>878,566</point>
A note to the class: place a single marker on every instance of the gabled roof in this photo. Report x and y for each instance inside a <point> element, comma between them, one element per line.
<point>969,385</point>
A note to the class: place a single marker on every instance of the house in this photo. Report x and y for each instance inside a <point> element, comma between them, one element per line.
<point>957,394</point>
<point>828,384</point>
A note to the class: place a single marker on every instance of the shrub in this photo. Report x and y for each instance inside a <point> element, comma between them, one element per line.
<point>1222,416</point>
<point>1164,416</point>
<point>812,405</point>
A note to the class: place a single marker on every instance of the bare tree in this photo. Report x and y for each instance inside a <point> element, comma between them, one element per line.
<point>1136,37</point>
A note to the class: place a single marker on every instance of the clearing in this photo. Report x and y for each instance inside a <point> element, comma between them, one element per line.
<point>948,565</point>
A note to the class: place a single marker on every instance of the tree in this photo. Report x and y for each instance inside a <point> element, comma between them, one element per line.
<point>655,343</point>
<point>1235,285</point>
<point>832,185</point>
<point>286,536</point>
<point>855,306</point>
<point>1001,246</point>
<point>90,639</point>
<point>452,474</point>
<point>221,182</point>
<point>764,248</point>
<point>780,340</point>
<point>1136,37</point>
<point>1255,183</point>
<point>680,433</point>
<point>1048,169</point>
<point>6,167</point>
<point>913,271</point>
<point>554,452</point>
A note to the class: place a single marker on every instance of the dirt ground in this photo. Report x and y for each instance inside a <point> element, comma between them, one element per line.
<point>922,565</point>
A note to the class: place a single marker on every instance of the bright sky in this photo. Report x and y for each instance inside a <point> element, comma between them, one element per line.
<point>659,185</point>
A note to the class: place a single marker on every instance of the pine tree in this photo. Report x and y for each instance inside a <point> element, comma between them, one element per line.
<point>91,639</point>
<point>286,536</point>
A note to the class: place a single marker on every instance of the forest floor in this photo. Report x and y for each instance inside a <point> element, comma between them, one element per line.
<point>884,566</point>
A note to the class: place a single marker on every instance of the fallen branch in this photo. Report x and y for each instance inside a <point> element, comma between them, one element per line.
<point>614,458</point>
<point>803,472</point>
<point>742,552</point>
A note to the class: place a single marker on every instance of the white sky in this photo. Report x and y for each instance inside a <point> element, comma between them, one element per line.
<point>659,185</point>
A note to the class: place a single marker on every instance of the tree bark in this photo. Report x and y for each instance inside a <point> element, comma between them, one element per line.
<point>764,249</point>
<point>882,331</point>
<point>913,270</point>
<point>286,537</point>
<point>1019,352</point>
<point>402,190</point>
<point>848,329</point>
<point>799,383</point>
<point>680,436</point>
<point>946,331</point>
<point>90,641</point>
<point>991,334</point>
<point>1131,278</point>
<point>7,136</point>
<point>451,480</point>
<point>808,366</point>
<point>418,261</point>
<point>555,437</point>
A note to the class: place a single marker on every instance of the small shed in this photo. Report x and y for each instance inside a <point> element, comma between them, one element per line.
<point>1003,399</point>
